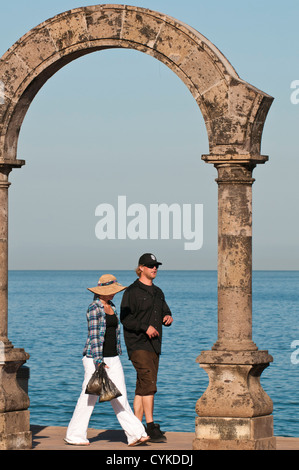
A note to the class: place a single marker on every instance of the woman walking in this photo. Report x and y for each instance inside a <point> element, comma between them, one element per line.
<point>103,345</point>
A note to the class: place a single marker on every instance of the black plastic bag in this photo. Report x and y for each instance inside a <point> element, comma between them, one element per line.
<point>100,384</point>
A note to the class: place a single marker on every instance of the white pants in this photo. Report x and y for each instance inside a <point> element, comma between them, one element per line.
<point>77,428</point>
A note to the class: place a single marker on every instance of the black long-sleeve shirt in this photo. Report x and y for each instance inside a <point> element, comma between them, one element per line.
<point>141,307</point>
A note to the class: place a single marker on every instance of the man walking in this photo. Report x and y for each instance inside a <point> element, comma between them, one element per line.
<point>143,312</point>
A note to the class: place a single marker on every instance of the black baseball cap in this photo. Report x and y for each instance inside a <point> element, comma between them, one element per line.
<point>148,259</point>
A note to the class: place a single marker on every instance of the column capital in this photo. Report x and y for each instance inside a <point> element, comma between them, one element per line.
<point>10,164</point>
<point>234,173</point>
<point>5,168</point>
<point>244,159</point>
<point>249,357</point>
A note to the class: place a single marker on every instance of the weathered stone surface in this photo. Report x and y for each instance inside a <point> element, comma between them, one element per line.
<point>234,391</point>
<point>217,433</point>
<point>103,23</point>
<point>234,428</point>
<point>15,431</point>
<point>68,31</point>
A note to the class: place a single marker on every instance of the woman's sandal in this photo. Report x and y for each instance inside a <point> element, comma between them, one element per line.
<point>76,443</point>
<point>140,441</point>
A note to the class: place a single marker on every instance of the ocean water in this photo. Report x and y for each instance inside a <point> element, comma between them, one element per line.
<point>47,318</point>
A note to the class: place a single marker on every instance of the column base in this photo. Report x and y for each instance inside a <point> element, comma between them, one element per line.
<point>14,403</point>
<point>11,422</point>
<point>234,433</point>
<point>212,444</point>
<point>234,384</point>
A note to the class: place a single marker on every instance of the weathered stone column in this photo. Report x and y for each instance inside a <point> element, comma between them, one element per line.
<point>234,412</point>
<point>14,402</point>
<point>4,185</point>
<point>234,257</point>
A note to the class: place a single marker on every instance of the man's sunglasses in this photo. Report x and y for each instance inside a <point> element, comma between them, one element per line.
<point>150,266</point>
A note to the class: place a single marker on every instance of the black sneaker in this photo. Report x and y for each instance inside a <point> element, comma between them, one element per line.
<point>155,433</point>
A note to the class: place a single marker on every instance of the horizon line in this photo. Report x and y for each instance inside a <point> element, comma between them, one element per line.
<point>133,269</point>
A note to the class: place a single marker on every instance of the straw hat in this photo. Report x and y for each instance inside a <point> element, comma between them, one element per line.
<point>107,285</point>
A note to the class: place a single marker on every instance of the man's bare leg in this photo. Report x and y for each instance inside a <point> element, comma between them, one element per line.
<point>148,408</point>
<point>138,407</point>
<point>144,405</point>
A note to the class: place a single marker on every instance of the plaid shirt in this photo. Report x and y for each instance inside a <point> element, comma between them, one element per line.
<point>96,320</point>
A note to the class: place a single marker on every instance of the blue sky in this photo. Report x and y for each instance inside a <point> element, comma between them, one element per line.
<point>120,123</point>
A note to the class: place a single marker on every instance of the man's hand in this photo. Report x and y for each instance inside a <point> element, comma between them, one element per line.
<point>152,332</point>
<point>167,320</point>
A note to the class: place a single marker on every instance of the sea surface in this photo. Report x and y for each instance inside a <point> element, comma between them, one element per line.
<point>47,317</point>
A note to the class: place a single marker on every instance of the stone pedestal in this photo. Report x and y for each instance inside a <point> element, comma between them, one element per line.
<point>235,411</point>
<point>234,434</point>
<point>15,433</point>
<point>14,403</point>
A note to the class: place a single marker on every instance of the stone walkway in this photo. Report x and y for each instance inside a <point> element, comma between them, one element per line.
<point>51,438</point>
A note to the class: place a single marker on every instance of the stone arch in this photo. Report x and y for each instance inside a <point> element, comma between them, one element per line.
<point>234,412</point>
<point>233,110</point>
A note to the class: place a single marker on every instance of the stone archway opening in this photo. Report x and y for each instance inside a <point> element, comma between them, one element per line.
<point>94,144</point>
<point>234,113</point>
